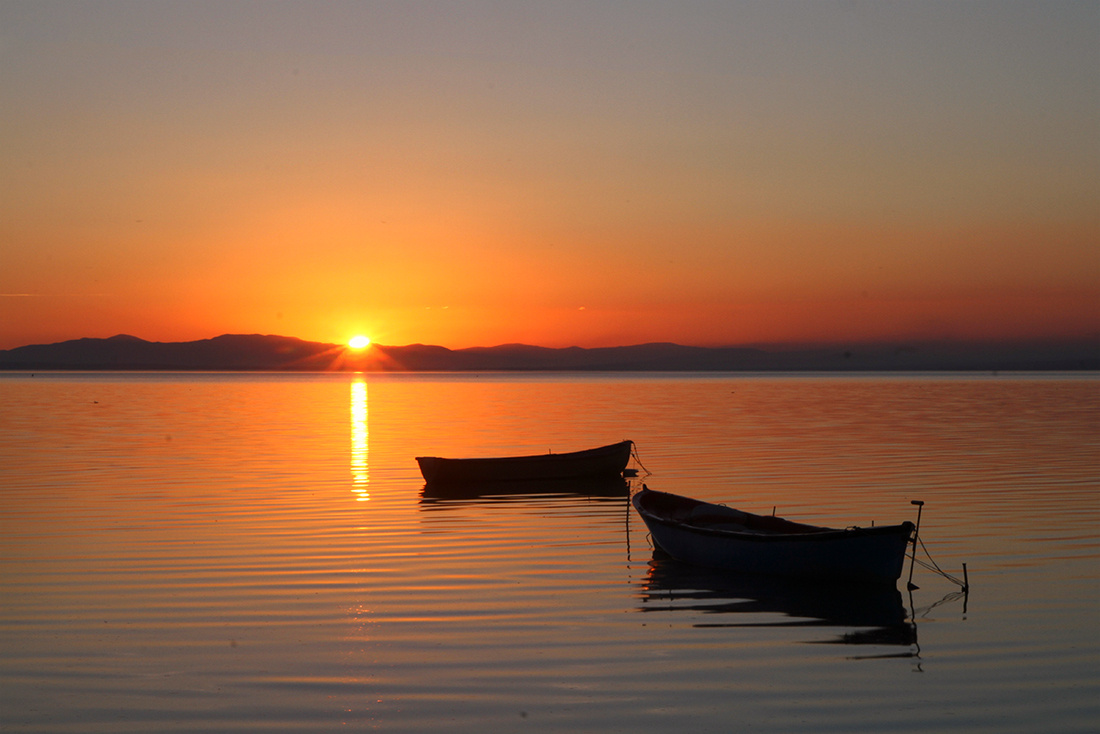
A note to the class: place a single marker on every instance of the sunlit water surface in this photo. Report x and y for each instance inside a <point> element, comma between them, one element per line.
<point>211,552</point>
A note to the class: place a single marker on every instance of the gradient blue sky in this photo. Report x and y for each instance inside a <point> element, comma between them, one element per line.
<point>475,173</point>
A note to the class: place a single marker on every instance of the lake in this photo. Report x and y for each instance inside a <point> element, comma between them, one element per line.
<point>257,552</point>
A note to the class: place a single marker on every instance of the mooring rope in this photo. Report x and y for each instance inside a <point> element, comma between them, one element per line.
<point>933,566</point>
<point>634,453</point>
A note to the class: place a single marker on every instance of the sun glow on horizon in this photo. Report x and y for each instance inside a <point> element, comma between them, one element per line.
<point>359,342</point>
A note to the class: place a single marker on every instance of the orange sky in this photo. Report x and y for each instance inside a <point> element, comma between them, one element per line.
<point>472,173</point>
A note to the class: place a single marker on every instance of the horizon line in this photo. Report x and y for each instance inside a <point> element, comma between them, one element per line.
<point>1032,341</point>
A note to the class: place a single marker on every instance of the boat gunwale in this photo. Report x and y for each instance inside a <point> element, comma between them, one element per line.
<point>609,448</point>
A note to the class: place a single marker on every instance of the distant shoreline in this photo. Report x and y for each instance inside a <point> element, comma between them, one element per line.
<point>260,353</point>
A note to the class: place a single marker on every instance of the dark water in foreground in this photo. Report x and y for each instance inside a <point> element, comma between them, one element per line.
<point>257,553</point>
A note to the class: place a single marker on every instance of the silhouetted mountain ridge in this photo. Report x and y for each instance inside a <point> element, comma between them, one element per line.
<point>256,352</point>
<point>125,352</point>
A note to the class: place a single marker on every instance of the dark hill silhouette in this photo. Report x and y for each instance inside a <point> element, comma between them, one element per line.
<point>254,352</point>
<point>124,352</point>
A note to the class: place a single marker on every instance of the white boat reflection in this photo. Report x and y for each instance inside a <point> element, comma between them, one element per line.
<point>870,614</point>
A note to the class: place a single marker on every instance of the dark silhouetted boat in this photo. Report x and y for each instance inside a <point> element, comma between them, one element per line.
<point>717,536</point>
<point>598,463</point>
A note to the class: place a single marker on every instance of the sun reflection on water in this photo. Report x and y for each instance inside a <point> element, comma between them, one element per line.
<point>360,472</point>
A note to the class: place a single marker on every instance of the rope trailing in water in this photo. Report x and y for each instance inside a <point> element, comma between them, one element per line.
<point>634,453</point>
<point>931,565</point>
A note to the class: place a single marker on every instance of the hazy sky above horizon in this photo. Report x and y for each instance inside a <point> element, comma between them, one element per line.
<point>476,173</point>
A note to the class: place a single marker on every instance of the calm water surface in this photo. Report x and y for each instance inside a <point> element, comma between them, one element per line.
<point>211,552</point>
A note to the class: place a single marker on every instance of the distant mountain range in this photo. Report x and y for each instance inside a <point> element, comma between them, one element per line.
<point>237,352</point>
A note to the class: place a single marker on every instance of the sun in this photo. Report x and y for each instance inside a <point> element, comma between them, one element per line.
<point>359,342</point>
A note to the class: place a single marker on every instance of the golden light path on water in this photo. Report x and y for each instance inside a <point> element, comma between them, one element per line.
<point>191,552</point>
<point>360,436</point>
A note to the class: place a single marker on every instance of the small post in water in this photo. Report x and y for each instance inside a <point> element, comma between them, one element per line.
<point>916,537</point>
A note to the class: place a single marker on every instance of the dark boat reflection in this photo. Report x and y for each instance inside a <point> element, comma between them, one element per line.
<point>610,488</point>
<point>874,614</point>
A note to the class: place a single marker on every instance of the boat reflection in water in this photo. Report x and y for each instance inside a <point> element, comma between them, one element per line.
<point>874,614</point>
<point>610,487</point>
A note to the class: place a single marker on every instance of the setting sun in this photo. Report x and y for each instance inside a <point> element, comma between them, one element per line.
<point>359,342</point>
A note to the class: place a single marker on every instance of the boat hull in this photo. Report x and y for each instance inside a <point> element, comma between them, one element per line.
<point>598,463</point>
<point>681,527</point>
